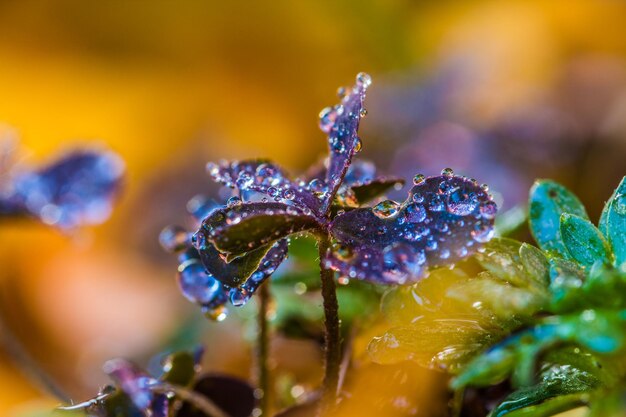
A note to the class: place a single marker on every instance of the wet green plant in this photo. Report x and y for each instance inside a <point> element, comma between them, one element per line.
<point>548,321</point>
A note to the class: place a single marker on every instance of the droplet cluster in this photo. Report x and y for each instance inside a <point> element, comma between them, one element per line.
<point>443,220</point>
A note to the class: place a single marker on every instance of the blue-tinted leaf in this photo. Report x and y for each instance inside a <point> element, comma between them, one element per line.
<point>548,200</point>
<point>78,189</point>
<point>444,219</point>
<point>615,223</point>
<point>341,123</point>
<point>542,400</point>
<point>567,279</point>
<point>243,227</point>
<point>262,176</point>
<point>583,241</point>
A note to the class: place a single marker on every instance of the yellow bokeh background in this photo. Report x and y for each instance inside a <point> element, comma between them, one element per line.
<point>169,85</point>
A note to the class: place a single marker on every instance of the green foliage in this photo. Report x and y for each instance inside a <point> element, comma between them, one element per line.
<point>551,320</point>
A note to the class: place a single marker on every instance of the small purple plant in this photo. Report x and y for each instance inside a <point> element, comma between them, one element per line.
<point>77,189</point>
<point>240,244</point>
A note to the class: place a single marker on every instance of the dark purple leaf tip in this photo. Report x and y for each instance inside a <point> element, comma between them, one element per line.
<point>443,220</point>
<point>341,123</point>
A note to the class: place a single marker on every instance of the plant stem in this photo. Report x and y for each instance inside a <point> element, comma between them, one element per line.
<point>332,348</point>
<point>263,347</point>
<point>202,403</point>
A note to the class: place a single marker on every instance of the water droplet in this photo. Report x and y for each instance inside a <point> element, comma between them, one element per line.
<point>289,194</point>
<point>620,204</point>
<point>174,238</point>
<point>460,203</point>
<point>341,92</point>
<point>244,180</point>
<point>415,213</point>
<point>317,185</point>
<point>343,280</point>
<point>328,116</point>
<point>358,144</point>
<point>488,209</point>
<point>419,179</point>
<point>273,192</point>
<point>482,232</point>
<point>216,314</point>
<point>484,187</point>
<point>238,297</point>
<point>386,209</point>
<point>447,172</point>
<point>363,112</point>
<point>233,201</point>
<point>436,203</point>
<point>363,80</point>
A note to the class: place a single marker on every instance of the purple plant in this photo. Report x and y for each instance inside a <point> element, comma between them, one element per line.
<point>240,244</point>
<point>77,189</point>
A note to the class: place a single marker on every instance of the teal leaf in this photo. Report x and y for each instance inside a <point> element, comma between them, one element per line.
<point>614,218</point>
<point>536,264</point>
<point>567,279</point>
<point>548,200</point>
<point>583,240</point>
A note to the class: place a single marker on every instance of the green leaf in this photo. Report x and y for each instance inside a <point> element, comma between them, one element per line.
<point>559,389</point>
<point>501,257</point>
<point>614,218</point>
<point>446,343</point>
<point>583,240</point>
<point>240,228</point>
<point>511,220</point>
<point>548,200</point>
<point>238,270</point>
<point>179,369</point>
<point>503,299</point>
<point>536,264</point>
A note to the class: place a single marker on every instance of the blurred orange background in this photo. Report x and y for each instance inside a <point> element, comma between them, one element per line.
<point>171,85</point>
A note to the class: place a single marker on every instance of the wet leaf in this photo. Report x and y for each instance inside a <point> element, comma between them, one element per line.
<point>536,264</point>
<point>501,257</point>
<point>504,300</point>
<point>243,227</point>
<point>548,200</point>
<point>238,270</point>
<point>615,223</point>
<point>263,176</point>
<point>583,241</point>
<point>567,278</point>
<point>444,220</point>
<point>341,123</point>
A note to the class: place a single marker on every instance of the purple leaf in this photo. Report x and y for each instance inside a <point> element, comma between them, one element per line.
<point>234,272</point>
<point>132,381</point>
<point>341,123</point>
<point>242,227</point>
<point>78,189</point>
<point>262,176</point>
<point>444,219</point>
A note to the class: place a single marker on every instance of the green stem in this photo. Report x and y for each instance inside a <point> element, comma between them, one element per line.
<point>263,350</point>
<point>332,336</point>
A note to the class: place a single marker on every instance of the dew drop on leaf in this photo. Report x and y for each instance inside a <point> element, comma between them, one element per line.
<point>386,209</point>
